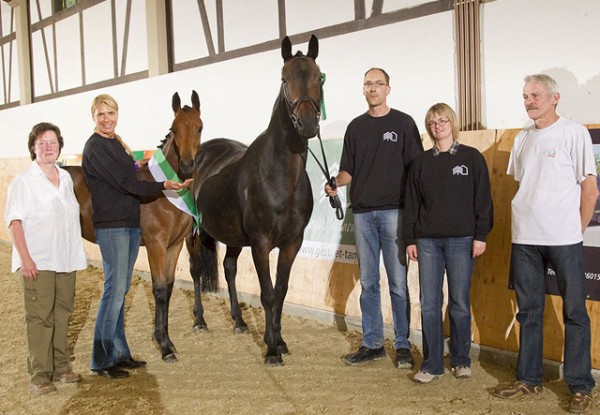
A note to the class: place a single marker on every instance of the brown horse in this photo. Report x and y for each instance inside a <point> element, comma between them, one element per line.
<point>261,196</point>
<point>164,227</point>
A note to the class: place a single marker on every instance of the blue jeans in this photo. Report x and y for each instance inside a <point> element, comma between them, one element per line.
<point>528,270</point>
<point>119,248</point>
<point>379,232</point>
<point>455,256</point>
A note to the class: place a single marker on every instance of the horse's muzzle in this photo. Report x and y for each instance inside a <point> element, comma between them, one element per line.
<point>186,167</point>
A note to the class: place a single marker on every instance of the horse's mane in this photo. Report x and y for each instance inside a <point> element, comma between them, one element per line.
<point>164,140</point>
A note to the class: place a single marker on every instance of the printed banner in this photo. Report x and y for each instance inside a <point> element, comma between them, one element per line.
<point>591,241</point>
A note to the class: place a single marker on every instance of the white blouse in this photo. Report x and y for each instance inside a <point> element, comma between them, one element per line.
<point>50,218</point>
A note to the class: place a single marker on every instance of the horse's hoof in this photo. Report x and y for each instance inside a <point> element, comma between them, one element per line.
<point>273,361</point>
<point>169,358</point>
<point>200,328</point>
<point>241,330</point>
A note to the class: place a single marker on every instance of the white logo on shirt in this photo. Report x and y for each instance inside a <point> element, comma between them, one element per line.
<point>390,136</point>
<point>550,152</point>
<point>460,170</point>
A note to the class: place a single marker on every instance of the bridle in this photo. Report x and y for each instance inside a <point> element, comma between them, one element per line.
<point>292,105</point>
<point>334,201</point>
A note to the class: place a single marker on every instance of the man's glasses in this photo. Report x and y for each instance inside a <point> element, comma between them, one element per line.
<point>376,85</point>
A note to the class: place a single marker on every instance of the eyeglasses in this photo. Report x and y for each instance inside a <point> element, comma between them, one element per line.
<point>441,122</point>
<point>376,85</point>
<point>45,144</point>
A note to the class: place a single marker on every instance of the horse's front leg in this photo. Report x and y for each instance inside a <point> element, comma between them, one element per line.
<point>163,261</point>
<point>162,297</point>
<point>230,266</point>
<point>260,255</point>
<point>286,258</point>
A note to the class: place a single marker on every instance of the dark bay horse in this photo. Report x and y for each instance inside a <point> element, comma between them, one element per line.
<point>261,196</point>
<point>164,227</point>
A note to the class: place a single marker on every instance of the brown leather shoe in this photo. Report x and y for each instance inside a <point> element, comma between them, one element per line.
<point>516,390</point>
<point>580,402</point>
<point>67,377</point>
<point>40,389</point>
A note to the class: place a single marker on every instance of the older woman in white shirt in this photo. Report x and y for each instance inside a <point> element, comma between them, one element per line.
<point>42,214</point>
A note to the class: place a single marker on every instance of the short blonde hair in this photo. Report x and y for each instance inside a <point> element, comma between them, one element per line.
<point>443,110</point>
<point>106,100</point>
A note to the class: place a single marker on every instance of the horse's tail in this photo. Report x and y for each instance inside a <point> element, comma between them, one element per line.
<point>208,263</point>
<point>202,249</point>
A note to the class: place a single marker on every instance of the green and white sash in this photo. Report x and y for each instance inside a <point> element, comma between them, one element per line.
<point>183,199</point>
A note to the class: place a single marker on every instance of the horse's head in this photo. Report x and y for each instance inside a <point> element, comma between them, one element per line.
<point>301,87</point>
<point>185,135</point>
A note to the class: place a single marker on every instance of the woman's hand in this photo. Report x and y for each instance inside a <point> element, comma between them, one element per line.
<point>171,185</point>
<point>29,269</point>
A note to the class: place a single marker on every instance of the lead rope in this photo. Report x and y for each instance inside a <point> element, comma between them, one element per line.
<point>334,201</point>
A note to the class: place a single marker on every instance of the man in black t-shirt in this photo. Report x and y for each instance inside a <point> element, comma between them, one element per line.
<point>378,147</point>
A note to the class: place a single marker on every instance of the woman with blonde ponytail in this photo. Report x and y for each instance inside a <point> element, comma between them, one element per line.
<point>109,171</point>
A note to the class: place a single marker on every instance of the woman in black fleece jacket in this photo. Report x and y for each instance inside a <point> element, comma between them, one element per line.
<point>447,217</point>
<point>109,171</point>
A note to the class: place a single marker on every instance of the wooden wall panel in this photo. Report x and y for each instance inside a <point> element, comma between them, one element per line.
<point>492,303</point>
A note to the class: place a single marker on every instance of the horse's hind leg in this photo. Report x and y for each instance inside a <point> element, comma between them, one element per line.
<point>230,266</point>
<point>193,245</point>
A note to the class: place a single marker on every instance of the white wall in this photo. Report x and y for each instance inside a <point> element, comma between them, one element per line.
<point>556,37</point>
<point>518,37</point>
<point>237,96</point>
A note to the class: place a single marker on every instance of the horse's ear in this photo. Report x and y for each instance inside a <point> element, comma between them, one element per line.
<point>313,47</point>
<point>176,103</point>
<point>195,100</point>
<point>286,48</point>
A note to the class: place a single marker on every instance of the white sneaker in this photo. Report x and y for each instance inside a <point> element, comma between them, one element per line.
<point>425,377</point>
<point>462,372</point>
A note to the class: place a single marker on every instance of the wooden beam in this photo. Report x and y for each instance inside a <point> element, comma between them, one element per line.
<point>23,50</point>
<point>156,29</point>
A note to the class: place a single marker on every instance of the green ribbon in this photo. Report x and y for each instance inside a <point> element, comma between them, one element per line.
<point>184,193</point>
<point>322,100</point>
